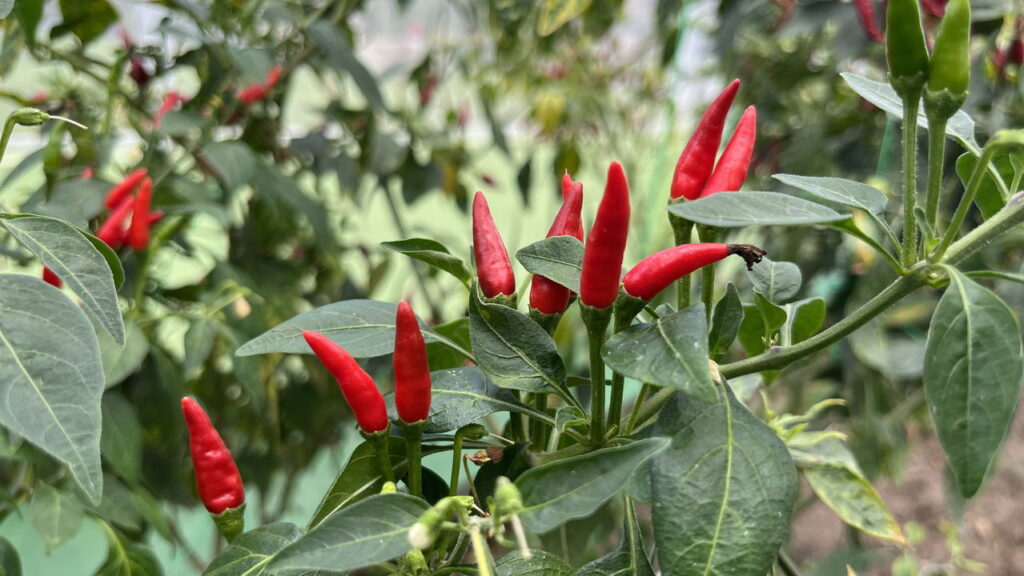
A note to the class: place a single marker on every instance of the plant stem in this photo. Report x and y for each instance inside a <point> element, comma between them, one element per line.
<point>911,104</point>
<point>966,201</point>
<point>618,380</point>
<point>414,452</point>
<point>682,230</point>
<point>596,321</point>
<point>8,130</point>
<point>380,446</point>
<point>936,155</point>
<point>453,484</point>
<point>1010,216</point>
<point>480,549</point>
<point>707,284</point>
<point>635,413</point>
<point>537,435</point>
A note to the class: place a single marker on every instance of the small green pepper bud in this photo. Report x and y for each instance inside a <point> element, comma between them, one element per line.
<point>29,117</point>
<point>949,71</point>
<point>905,48</point>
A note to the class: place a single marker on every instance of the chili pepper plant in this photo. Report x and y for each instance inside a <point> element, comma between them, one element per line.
<point>670,430</point>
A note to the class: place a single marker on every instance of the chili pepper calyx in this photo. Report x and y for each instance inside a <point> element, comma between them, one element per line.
<point>750,253</point>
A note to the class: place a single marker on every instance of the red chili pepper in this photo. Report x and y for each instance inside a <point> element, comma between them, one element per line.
<point>52,279</point>
<point>113,230</point>
<point>124,188</point>
<point>698,158</point>
<point>546,296</point>
<point>868,20</point>
<point>217,478</point>
<point>356,385</point>
<point>412,372</point>
<point>492,264</point>
<point>170,102</point>
<point>606,243</point>
<point>256,92</point>
<point>659,270</point>
<point>731,170</point>
<point>568,186</point>
<point>138,234</point>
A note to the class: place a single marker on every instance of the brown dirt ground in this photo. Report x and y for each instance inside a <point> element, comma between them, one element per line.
<point>991,530</point>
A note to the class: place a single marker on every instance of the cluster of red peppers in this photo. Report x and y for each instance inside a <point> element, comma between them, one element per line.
<point>130,217</point>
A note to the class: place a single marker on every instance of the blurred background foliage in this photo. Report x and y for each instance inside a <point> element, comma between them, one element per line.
<point>388,115</point>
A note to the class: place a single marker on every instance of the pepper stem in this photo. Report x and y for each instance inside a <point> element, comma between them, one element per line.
<point>936,154</point>
<point>231,522</point>
<point>596,321</point>
<point>682,229</point>
<point>379,441</point>
<point>414,452</point>
<point>911,104</point>
<point>707,286</point>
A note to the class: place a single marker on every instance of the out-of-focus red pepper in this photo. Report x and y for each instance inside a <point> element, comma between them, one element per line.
<point>114,229</point>
<point>124,188</point>
<point>138,233</point>
<point>868,20</point>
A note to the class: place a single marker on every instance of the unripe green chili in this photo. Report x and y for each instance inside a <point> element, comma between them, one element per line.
<point>905,48</point>
<point>949,71</point>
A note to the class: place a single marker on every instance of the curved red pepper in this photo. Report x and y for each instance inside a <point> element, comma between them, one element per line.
<point>217,478</point>
<point>606,243</point>
<point>659,270</point>
<point>256,92</point>
<point>138,233</point>
<point>124,188</point>
<point>698,158</point>
<point>356,385</point>
<point>412,371</point>
<point>492,264</point>
<point>732,167</point>
<point>546,296</point>
<point>113,230</point>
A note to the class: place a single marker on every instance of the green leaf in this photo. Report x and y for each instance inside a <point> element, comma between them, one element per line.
<point>56,516</point>
<point>29,13</point>
<point>75,201</point>
<point>575,487</point>
<point>249,554</point>
<point>51,378</point>
<point>540,563</point>
<point>336,49</point>
<point>120,362</point>
<point>511,465</point>
<point>556,13</point>
<point>737,209</point>
<point>960,127</point>
<point>5,8</point>
<point>127,558</point>
<point>270,182</point>
<point>233,161</point>
<point>118,506</point>
<point>725,321</point>
<point>854,500</point>
<point>63,249</point>
<point>461,396</point>
<point>199,341</point>
<point>87,19</point>
<point>628,559</point>
<point>988,199</point>
<point>776,281</point>
<point>364,328</point>
<point>804,319</point>
<point>359,479</point>
<point>121,442</point>
<point>433,253</point>
<point>513,350</point>
<point>972,376</point>
<point>366,533</point>
<point>838,190</point>
<point>559,259</point>
<point>670,352</point>
<point>723,492</point>
<point>10,562</point>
